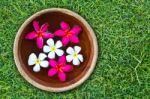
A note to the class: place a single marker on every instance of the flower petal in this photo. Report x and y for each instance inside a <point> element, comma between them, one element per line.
<point>62,76</point>
<point>51,55</point>
<point>36,26</point>
<point>67,68</point>
<point>58,44</point>
<point>70,50</point>
<point>32,59</point>
<point>76,61</point>
<point>44,64</point>
<point>64,25</point>
<point>50,42</point>
<point>65,41</point>
<point>59,52</point>
<point>74,39</point>
<point>36,68</point>
<point>39,42</point>
<point>69,58</point>
<point>52,63</point>
<point>31,35</point>
<point>52,72</point>
<point>44,27</point>
<point>62,60</point>
<point>46,49</point>
<point>42,56</point>
<point>80,57</point>
<point>48,35</point>
<point>59,33</point>
<point>77,49</point>
<point>75,30</point>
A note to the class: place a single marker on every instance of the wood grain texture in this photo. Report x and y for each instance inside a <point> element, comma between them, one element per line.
<point>23,48</point>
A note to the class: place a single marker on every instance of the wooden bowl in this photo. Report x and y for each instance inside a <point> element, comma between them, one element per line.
<point>23,48</point>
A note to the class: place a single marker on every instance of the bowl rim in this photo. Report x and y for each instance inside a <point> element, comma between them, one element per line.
<point>53,89</point>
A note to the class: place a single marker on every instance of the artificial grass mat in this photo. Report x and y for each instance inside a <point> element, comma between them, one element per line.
<point>122,28</point>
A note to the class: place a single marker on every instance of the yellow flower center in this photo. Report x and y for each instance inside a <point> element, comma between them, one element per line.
<point>37,61</point>
<point>75,55</point>
<point>53,49</point>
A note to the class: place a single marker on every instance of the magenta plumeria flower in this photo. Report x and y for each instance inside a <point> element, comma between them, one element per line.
<point>67,34</point>
<point>59,68</point>
<point>39,33</point>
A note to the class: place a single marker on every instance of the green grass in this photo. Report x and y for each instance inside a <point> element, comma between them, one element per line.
<point>123,33</point>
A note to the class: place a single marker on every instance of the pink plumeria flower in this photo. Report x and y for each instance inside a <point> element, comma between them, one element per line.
<point>59,68</point>
<point>38,61</point>
<point>73,55</point>
<point>39,33</point>
<point>67,34</point>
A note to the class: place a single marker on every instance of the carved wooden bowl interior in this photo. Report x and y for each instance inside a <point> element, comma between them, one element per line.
<point>23,48</point>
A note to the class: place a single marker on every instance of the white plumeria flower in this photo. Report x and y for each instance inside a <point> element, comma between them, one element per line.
<point>37,61</point>
<point>53,49</point>
<point>74,55</point>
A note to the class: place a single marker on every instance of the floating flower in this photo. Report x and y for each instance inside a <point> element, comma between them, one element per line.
<point>39,33</point>
<point>67,34</point>
<point>53,49</point>
<point>59,68</point>
<point>37,62</point>
<point>74,55</point>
